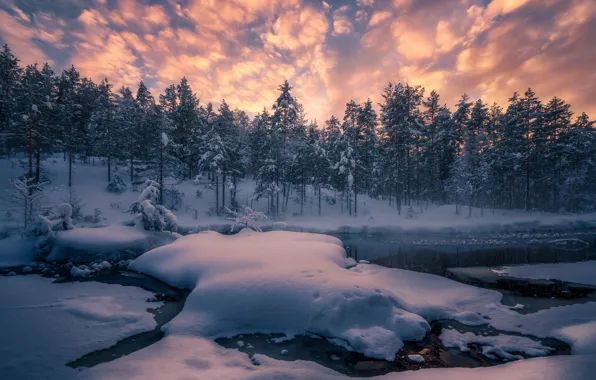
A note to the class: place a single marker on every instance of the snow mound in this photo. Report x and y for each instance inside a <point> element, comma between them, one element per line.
<point>279,282</point>
<point>433,297</point>
<point>97,244</point>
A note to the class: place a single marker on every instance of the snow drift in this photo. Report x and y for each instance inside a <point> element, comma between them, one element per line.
<point>297,283</point>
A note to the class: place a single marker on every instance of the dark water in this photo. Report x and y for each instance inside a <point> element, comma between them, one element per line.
<point>437,256</point>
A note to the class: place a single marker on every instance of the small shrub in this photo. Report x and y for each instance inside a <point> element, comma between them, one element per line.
<point>116,185</point>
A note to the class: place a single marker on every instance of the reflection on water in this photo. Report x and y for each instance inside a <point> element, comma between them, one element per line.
<point>436,258</point>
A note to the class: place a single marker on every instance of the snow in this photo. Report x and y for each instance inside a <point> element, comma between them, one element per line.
<point>282,282</point>
<point>502,346</point>
<point>95,244</point>
<point>45,325</point>
<point>416,358</point>
<point>15,251</point>
<point>583,272</point>
<point>89,184</point>
<point>433,297</point>
<point>188,357</point>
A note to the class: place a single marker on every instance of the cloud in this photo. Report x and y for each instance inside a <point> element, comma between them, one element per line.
<point>341,21</point>
<point>241,50</point>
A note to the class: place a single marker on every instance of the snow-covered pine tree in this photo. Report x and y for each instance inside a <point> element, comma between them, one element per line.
<point>71,117</point>
<point>213,160</point>
<point>10,76</point>
<point>367,145</point>
<point>430,149</point>
<point>104,122</point>
<point>185,118</point>
<point>127,118</point>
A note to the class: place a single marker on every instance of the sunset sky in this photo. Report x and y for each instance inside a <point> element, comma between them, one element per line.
<point>332,51</point>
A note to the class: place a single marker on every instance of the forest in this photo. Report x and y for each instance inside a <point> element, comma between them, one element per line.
<point>410,148</point>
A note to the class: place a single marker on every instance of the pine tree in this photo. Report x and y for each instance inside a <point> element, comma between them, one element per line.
<point>10,76</point>
<point>104,123</point>
<point>71,117</point>
<point>127,118</point>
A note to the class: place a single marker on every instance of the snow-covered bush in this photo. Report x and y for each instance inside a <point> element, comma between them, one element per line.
<point>250,218</point>
<point>153,217</point>
<point>172,197</point>
<point>44,228</point>
<point>150,191</point>
<point>116,185</point>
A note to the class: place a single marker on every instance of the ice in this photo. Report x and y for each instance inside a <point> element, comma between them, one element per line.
<point>583,272</point>
<point>416,358</point>
<point>45,325</point>
<point>503,346</point>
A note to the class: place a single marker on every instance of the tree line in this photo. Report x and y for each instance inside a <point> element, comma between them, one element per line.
<point>530,155</point>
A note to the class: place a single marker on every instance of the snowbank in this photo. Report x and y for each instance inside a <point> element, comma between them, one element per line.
<point>186,357</point>
<point>433,297</point>
<point>583,272</point>
<point>44,325</point>
<point>96,244</point>
<point>16,250</point>
<point>283,282</point>
<point>297,283</point>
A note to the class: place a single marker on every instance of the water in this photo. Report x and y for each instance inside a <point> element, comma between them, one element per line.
<point>438,255</point>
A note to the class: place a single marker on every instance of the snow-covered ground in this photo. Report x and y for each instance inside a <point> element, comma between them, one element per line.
<point>583,272</point>
<point>276,282</point>
<point>297,283</point>
<point>272,282</point>
<point>90,182</point>
<point>190,357</point>
<point>44,325</point>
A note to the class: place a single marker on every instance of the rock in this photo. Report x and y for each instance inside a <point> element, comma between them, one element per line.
<point>11,273</point>
<point>416,358</point>
<point>424,351</point>
<point>27,269</point>
<point>371,365</point>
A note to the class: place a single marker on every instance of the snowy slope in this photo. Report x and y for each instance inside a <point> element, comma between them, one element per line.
<point>583,272</point>
<point>45,325</point>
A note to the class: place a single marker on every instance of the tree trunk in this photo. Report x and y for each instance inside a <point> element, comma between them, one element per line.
<point>37,166</point>
<point>160,175</point>
<point>109,168</point>
<point>69,168</point>
<point>132,170</point>
<point>216,195</point>
<point>319,200</point>
<point>223,191</point>
<point>355,203</point>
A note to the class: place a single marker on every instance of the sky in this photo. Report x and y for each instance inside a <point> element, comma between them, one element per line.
<point>331,51</point>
